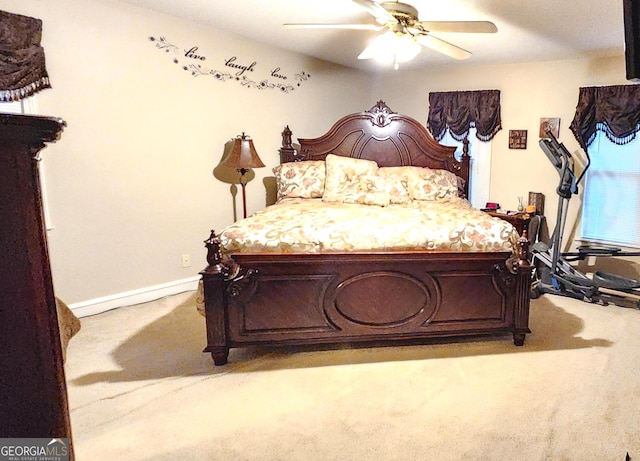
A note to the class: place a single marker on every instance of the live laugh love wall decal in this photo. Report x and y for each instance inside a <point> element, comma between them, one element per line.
<point>192,60</point>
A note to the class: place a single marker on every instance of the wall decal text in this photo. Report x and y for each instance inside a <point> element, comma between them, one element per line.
<point>231,63</point>
<point>191,53</point>
<point>239,67</point>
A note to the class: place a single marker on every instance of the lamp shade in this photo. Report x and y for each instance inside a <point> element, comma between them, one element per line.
<point>243,154</point>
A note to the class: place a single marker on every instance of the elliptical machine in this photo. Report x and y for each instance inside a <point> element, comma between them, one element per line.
<point>553,274</point>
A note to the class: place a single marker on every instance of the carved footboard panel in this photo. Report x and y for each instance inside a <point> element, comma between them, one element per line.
<point>373,298</point>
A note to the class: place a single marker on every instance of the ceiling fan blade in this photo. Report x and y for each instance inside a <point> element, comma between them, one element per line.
<point>376,9</point>
<point>472,27</point>
<point>335,26</point>
<point>443,47</point>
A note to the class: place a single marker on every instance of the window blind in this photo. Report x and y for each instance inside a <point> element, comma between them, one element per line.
<point>611,202</point>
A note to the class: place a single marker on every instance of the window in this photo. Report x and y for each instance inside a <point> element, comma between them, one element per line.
<point>472,114</point>
<point>14,107</point>
<point>611,202</point>
<point>25,106</point>
<point>480,174</point>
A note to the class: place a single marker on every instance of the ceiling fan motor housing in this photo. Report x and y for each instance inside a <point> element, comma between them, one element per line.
<point>401,11</point>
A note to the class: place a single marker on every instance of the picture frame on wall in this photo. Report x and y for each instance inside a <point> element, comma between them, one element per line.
<point>549,124</point>
<point>517,139</point>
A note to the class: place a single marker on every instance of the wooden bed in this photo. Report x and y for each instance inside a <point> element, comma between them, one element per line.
<point>365,298</point>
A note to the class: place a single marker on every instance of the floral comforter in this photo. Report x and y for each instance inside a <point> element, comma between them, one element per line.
<point>312,226</point>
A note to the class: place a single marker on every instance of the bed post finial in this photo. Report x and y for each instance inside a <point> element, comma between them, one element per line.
<point>214,256</point>
<point>465,163</point>
<point>286,138</point>
<point>287,152</point>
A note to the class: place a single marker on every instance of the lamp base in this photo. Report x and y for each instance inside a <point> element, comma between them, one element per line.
<point>243,184</point>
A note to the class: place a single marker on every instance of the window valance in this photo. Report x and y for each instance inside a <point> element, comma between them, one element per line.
<point>614,110</point>
<point>22,64</point>
<point>459,111</point>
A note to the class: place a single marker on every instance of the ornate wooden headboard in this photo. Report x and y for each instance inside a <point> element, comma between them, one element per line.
<point>379,134</point>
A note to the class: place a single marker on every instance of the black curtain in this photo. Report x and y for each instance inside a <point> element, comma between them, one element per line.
<point>22,64</point>
<point>614,110</point>
<point>459,111</point>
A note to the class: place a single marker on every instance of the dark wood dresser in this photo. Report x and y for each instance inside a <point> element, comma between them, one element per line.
<point>33,392</point>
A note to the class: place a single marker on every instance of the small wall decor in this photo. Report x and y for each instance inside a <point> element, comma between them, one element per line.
<point>549,124</point>
<point>536,200</point>
<point>517,139</point>
<point>236,69</point>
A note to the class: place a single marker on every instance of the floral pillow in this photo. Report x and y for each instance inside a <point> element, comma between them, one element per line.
<point>300,179</point>
<point>428,184</point>
<point>397,182</point>
<point>343,177</point>
<point>369,190</point>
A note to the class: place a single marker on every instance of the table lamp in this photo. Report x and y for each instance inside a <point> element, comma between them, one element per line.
<point>243,157</point>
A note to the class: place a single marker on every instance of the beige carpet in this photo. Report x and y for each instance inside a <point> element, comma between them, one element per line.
<point>140,389</point>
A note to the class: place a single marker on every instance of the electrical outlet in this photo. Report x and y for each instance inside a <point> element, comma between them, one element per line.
<point>186,260</point>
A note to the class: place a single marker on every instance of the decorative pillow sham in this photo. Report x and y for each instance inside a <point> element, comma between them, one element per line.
<point>369,190</point>
<point>428,184</point>
<point>352,180</point>
<point>343,176</point>
<point>300,179</point>
<point>397,182</point>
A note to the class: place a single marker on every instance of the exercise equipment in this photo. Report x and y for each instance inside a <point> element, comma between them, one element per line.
<point>553,274</point>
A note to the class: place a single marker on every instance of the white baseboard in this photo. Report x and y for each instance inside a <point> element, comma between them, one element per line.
<point>129,298</point>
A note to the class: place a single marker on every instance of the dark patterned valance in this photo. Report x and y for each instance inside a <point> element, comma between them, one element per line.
<point>22,66</point>
<point>458,111</point>
<point>614,110</point>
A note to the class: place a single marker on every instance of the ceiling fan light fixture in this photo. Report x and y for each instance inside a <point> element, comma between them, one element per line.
<point>407,48</point>
<point>391,47</point>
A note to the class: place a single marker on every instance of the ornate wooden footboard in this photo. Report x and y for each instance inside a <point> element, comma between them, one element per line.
<point>367,298</point>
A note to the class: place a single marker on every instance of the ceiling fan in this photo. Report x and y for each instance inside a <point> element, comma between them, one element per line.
<point>404,33</point>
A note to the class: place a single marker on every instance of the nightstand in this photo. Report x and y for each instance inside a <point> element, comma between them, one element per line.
<point>519,220</point>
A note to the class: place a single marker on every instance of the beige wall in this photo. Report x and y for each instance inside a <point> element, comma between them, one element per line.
<point>130,183</point>
<point>528,92</point>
